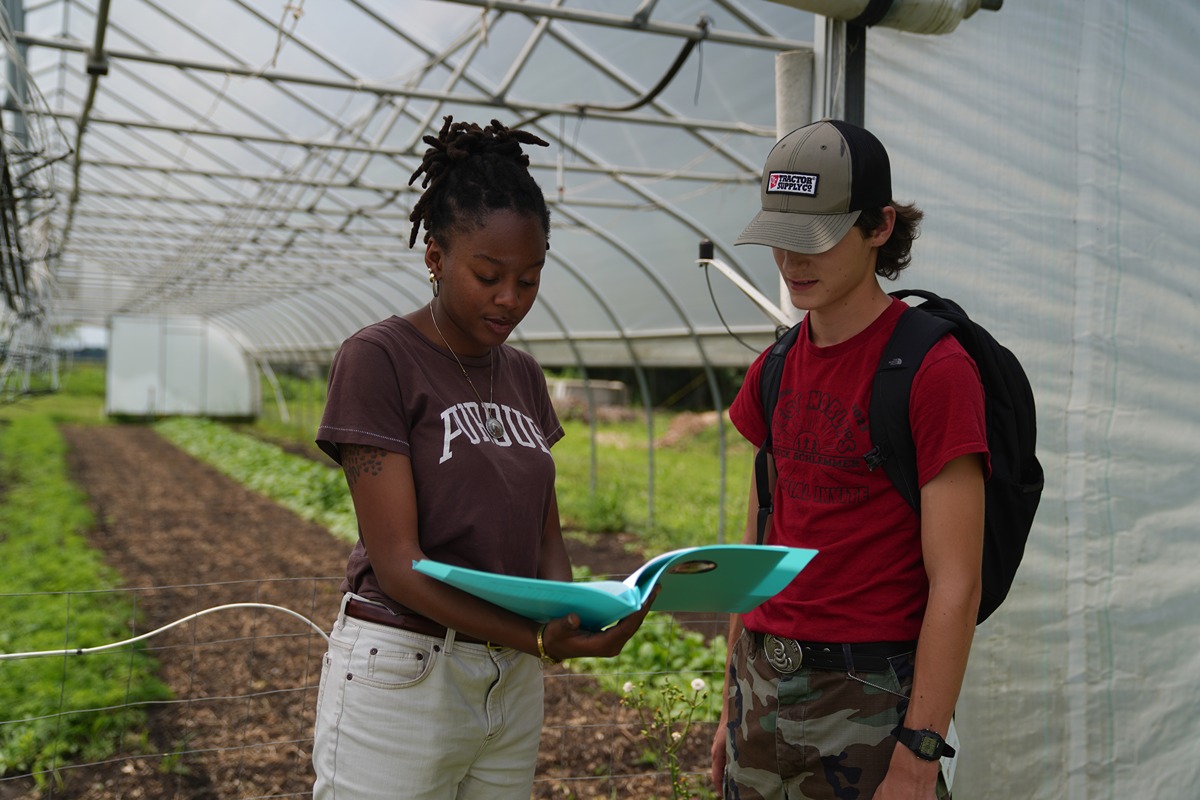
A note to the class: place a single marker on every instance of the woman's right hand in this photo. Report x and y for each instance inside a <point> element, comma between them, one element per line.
<point>564,638</point>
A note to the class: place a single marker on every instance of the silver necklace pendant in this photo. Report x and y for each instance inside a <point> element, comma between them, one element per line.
<point>494,426</point>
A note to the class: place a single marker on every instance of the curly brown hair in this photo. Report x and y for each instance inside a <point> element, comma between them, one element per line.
<point>471,172</point>
<point>896,253</point>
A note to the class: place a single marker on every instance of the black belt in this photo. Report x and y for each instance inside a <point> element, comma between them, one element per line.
<point>370,612</point>
<point>788,655</point>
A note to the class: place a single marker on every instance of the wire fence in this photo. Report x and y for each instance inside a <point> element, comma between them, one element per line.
<point>239,664</point>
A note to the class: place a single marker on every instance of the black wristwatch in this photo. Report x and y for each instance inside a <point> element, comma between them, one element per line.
<point>925,743</point>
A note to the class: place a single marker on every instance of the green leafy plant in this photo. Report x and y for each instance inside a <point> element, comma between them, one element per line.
<point>173,762</point>
<point>666,713</point>
<point>672,655</point>
<point>311,490</point>
<point>663,672</point>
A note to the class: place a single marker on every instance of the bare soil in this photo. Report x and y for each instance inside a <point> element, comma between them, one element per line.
<point>244,682</point>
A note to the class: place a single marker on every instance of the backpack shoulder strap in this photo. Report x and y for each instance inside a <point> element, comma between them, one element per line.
<point>769,381</point>
<point>891,433</point>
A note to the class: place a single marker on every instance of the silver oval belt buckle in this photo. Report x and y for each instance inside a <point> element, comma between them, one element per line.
<point>782,654</point>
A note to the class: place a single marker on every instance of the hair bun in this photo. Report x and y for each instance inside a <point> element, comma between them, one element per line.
<point>454,145</point>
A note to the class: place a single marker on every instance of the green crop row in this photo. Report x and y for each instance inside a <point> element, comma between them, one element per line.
<point>310,490</point>
<point>60,595</point>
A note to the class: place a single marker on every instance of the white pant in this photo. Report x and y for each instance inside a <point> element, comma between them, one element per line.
<point>405,715</point>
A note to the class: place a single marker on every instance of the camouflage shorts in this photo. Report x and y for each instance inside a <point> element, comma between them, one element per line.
<point>811,735</point>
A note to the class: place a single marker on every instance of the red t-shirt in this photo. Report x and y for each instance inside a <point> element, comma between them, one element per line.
<point>867,582</point>
<point>481,503</point>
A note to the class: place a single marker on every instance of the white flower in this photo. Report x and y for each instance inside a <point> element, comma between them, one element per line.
<point>699,685</point>
<point>628,687</point>
<point>676,736</point>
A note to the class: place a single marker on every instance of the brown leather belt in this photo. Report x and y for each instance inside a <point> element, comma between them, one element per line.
<point>370,612</point>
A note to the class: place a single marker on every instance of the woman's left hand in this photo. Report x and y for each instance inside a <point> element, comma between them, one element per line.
<point>564,638</point>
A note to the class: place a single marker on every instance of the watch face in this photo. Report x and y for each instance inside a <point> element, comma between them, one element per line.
<point>928,746</point>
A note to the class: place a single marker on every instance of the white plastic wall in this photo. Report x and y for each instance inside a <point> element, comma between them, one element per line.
<point>1053,149</point>
<point>177,365</point>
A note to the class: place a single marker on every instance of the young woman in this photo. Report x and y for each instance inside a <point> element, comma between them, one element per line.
<point>444,433</point>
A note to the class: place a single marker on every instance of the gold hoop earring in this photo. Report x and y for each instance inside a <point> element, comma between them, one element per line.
<point>435,282</point>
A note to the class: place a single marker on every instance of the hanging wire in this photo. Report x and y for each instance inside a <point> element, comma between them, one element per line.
<point>717,307</point>
<point>703,24</point>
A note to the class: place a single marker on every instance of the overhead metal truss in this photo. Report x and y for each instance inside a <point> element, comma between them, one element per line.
<point>247,161</point>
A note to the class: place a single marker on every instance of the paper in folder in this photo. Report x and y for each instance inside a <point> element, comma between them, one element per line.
<point>718,578</point>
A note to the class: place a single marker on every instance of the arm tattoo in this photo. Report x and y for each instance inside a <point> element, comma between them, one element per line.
<point>359,460</point>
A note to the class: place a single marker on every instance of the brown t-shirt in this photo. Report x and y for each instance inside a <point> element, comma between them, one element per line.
<point>481,503</point>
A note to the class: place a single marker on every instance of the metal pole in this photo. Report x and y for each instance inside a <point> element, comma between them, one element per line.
<point>856,73</point>
<point>795,91</point>
<point>19,99</point>
<point>839,85</point>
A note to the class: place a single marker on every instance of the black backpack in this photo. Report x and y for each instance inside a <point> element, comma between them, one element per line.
<point>1013,491</point>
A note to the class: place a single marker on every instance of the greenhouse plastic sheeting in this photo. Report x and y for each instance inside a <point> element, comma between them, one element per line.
<point>1051,145</point>
<point>1053,149</point>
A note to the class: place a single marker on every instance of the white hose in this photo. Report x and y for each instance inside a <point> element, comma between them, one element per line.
<point>82,651</point>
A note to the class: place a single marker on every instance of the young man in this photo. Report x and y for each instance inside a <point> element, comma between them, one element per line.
<point>843,685</point>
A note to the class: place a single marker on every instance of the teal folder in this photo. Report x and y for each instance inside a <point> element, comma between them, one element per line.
<point>718,578</point>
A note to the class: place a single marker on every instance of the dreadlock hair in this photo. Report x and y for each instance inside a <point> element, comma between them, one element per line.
<point>471,172</point>
<point>896,253</point>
